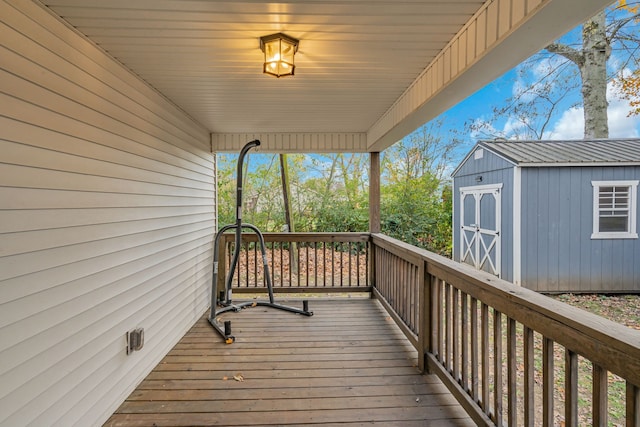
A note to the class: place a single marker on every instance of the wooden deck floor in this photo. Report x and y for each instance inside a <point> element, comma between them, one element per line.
<point>347,365</point>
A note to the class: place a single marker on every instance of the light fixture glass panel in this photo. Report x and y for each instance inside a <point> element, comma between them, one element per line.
<point>272,51</point>
<point>279,50</point>
<point>287,50</point>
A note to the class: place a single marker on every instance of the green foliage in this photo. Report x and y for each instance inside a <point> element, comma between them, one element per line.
<point>416,204</point>
<point>336,198</point>
<point>329,192</point>
<point>419,212</point>
<point>262,191</point>
<point>341,217</point>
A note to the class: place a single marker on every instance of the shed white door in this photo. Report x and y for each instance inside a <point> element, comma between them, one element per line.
<point>480,223</point>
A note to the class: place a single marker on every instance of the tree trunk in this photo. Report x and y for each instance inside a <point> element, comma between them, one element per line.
<point>596,50</point>
<point>286,193</point>
<point>591,59</point>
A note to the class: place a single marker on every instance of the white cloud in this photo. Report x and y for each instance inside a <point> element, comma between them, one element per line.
<point>569,126</point>
<point>513,127</point>
<point>621,126</point>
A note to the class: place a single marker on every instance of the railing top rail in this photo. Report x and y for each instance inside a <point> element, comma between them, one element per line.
<point>304,237</point>
<point>610,345</point>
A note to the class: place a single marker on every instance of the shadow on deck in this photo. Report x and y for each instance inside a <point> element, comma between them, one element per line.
<point>347,365</point>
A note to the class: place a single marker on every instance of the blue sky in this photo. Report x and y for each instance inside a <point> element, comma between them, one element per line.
<point>566,123</point>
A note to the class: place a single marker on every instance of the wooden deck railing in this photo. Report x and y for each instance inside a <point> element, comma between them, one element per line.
<point>299,262</point>
<point>509,355</point>
<point>497,346</point>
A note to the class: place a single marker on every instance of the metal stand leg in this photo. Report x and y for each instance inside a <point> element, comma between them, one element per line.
<point>226,304</point>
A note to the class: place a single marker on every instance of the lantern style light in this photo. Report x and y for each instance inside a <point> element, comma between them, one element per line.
<point>279,50</point>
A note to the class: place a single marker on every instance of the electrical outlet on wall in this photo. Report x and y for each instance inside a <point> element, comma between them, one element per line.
<point>135,340</point>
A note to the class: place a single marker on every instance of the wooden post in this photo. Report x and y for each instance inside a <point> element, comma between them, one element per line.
<point>374,211</point>
<point>424,316</point>
<point>374,193</point>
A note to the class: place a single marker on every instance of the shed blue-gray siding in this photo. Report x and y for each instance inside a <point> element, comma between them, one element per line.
<point>494,170</point>
<point>558,254</point>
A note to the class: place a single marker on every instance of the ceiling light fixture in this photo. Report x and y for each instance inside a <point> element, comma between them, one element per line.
<point>279,50</point>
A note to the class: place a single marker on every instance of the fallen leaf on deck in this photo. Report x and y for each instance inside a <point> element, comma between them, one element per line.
<point>238,377</point>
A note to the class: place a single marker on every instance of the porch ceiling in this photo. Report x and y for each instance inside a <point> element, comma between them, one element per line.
<point>368,71</point>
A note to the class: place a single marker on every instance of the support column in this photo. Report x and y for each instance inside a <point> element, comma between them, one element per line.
<point>374,192</point>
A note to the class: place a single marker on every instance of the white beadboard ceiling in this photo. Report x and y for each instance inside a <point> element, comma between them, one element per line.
<point>357,63</point>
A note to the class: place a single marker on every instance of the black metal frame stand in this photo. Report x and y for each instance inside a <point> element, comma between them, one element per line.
<point>225,301</point>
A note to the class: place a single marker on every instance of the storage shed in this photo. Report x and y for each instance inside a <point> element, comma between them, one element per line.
<point>552,216</point>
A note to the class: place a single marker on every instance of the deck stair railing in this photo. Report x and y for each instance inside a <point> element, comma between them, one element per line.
<point>510,356</point>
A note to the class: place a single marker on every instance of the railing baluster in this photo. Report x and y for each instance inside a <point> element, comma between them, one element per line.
<point>398,290</point>
<point>298,264</point>
<point>455,325</point>
<point>465,341</point>
<point>419,306</point>
<point>547,382</point>
<point>306,271</point>
<point>394,292</point>
<point>350,251</point>
<point>366,270</point>
<point>529,378</point>
<point>408,285</point>
<point>475,361</point>
<point>315,269</point>
<point>358,265</point>
<point>324,256</point>
<point>485,358</point>
<point>255,264</point>
<point>425,317</point>
<point>406,301</point>
<point>633,405</point>
<point>497,366</point>
<point>439,298</point>
<point>281,251</point>
<point>600,399</point>
<point>244,259</point>
<point>512,385</point>
<point>333,265</point>
<point>434,334</point>
<point>290,259</point>
<point>571,389</point>
<point>448,331</point>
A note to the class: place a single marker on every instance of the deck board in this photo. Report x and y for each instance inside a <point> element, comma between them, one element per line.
<point>347,365</point>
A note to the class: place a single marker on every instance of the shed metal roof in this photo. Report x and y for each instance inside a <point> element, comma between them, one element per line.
<point>575,152</point>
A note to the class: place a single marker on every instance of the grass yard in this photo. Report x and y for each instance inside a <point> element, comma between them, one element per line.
<point>623,309</point>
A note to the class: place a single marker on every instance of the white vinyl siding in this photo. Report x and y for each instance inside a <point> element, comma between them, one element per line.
<point>107,212</point>
<point>614,209</point>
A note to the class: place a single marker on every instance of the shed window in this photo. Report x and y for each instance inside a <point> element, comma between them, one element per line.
<point>614,209</point>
